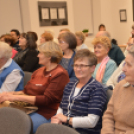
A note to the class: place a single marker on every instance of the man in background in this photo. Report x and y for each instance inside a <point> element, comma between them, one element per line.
<point>16,35</point>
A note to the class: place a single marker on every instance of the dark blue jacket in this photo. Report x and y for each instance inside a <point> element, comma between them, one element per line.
<point>70,68</point>
<point>116,54</point>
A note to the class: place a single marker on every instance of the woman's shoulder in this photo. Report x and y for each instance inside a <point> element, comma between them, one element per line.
<point>32,52</point>
<point>111,63</point>
<point>59,70</point>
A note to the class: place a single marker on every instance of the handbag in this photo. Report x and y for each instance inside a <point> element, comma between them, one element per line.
<point>24,106</point>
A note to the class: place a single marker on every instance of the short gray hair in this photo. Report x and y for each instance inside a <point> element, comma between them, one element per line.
<point>5,50</point>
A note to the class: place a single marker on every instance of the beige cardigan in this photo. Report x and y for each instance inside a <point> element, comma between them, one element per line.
<point>119,116</point>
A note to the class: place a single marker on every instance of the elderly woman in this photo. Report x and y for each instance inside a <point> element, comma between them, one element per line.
<point>80,40</point>
<point>105,66</point>
<point>68,43</point>
<point>9,40</point>
<point>27,58</point>
<point>11,75</point>
<point>118,118</point>
<point>45,89</point>
<point>118,74</point>
<point>83,100</point>
<point>46,37</point>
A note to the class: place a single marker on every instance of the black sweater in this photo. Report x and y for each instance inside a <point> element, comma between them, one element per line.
<point>27,59</point>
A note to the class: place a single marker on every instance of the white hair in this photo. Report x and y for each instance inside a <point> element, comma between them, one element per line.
<point>5,50</point>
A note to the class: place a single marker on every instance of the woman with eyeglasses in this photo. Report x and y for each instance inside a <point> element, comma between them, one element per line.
<point>27,58</point>
<point>68,43</point>
<point>83,100</point>
<point>105,66</point>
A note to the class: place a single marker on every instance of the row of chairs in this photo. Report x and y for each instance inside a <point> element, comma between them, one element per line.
<point>15,121</point>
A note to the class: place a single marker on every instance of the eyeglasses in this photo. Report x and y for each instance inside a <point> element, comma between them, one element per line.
<point>130,45</point>
<point>81,66</point>
<point>62,42</point>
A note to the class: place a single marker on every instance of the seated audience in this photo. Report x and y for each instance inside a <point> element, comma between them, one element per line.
<point>11,75</point>
<point>9,40</point>
<point>16,35</point>
<point>118,118</point>
<point>115,52</point>
<point>45,89</point>
<point>118,74</point>
<point>102,27</point>
<point>68,43</point>
<point>105,66</point>
<point>80,41</point>
<point>46,37</point>
<point>83,100</point>
<point>27,58</point>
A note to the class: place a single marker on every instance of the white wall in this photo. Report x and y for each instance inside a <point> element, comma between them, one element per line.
<point>122,29</point>
<point>83,15</point>
<point>25,15</point>
<point>111,18</point>
<point>9,16</point>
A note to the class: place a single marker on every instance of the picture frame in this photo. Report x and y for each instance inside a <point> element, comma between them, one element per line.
<point>123,15</point>
<point>52,13</point>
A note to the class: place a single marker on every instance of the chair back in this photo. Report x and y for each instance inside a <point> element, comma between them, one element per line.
<point>27,77</point>
<point>14,121</point>
<point>109,94</point>
<point>49,128</point>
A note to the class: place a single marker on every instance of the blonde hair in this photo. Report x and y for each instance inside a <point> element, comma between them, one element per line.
<point>105,41</point>
<point>5,50</point>
<point>51,49</point>
<point>80,35</point>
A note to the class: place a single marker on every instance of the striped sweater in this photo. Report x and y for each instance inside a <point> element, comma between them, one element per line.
<point>91,99</point>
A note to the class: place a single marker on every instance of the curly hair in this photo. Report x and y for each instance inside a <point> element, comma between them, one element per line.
<point>105,41</point>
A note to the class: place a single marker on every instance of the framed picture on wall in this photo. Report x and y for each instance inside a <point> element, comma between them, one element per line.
<point>45,13</point>
<point>123,15</point>
<point>52,13</point>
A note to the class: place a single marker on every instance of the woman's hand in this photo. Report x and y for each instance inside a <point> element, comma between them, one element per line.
<point>7,97</point>
<point>55,120</point>
<point>59,118</point>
